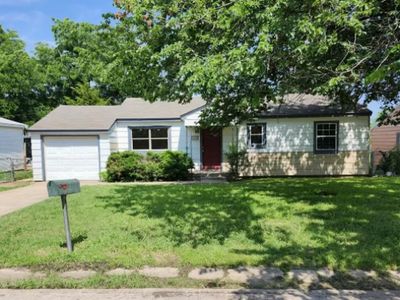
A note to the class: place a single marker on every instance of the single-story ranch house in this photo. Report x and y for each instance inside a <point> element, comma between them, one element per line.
<point>304,136</point>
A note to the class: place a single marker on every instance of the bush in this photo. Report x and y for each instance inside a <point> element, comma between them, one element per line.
<point>104,176</point>
<point>236,159</point>
<point>152,167</point>
<point>390,162</point>
<point>175,165</point>
<point>125,166</point>
<point>132,166</point>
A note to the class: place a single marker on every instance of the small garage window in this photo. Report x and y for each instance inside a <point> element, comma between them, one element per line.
<point>154,138</point>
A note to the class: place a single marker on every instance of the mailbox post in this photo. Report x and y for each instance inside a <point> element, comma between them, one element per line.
<point>63,188</point>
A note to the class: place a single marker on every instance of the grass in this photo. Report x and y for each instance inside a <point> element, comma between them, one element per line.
<point>13,185</point>
<point>342,223</point>
<point>111,282</point>
<point>19,175</point>
<point>23,174</point>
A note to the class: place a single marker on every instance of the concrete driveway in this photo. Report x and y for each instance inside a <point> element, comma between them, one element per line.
<point>18,198</point>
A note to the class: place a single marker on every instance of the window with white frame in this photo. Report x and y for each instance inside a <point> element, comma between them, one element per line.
<point>326,137</point>
<point>256,135</point>
<point>154,138</point>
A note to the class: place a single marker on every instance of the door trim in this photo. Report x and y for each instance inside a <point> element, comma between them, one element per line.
<point>43,136</point>
<point>202,150</point>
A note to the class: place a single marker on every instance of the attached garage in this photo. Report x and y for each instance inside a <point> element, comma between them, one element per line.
<point>71,157</point>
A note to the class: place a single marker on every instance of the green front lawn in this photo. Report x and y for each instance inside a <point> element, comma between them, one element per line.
<point>295,222</point>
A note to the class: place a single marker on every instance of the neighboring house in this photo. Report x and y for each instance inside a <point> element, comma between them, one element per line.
<point>384,138</point>
<point>11,144</point>
<point>304,136</point>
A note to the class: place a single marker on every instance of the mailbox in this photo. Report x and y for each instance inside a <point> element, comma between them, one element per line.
<point>63,187</point>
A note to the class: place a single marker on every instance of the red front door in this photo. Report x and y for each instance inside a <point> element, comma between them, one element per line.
<point>211,144</point>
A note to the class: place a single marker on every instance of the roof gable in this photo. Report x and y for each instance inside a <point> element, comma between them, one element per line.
<point>9,123</point>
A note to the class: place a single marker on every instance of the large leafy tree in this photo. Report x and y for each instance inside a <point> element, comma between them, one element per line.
<point>19,79</point>
<point>89,65</point>
<point>239,53</point>
<point>86,95</point>
<point>74,68</point>
<point>70,72</point>
<point>90,62</point>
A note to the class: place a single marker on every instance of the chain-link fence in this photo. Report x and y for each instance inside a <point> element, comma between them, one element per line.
<point>9,168</point>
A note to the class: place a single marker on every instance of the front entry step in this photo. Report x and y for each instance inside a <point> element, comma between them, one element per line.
<point>210,176</point>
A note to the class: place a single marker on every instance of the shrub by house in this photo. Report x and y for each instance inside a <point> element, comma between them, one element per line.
<point>131,166</point>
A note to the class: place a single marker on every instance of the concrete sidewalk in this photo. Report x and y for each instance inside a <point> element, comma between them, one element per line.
<point>192,294</point>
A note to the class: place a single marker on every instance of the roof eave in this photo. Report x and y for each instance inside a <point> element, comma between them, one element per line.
<point>66,130</point>
<point>192,111</point>
<point>22,126</point>
<point>103,129</point>
<point>369,113</point>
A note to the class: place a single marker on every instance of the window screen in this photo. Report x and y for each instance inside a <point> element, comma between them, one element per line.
<point>326,137</point>
<point>256,135</point>
<point>150,138</point>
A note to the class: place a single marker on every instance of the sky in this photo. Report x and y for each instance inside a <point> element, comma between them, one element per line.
<point>32,19</point>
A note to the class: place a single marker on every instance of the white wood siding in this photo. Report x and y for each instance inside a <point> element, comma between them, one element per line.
<point>120,137</point>
<point>105,149</point>
<point>11,146</point>
<point>194,146</point>
<point>297,134</point>
<point>37,161</point>
<point>228,137</point>
<point>192,119</point>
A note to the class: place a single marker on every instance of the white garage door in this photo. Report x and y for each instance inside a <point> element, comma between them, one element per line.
<point>71,157</point>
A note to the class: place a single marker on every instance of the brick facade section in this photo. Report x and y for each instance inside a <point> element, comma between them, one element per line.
<point>307,164</point>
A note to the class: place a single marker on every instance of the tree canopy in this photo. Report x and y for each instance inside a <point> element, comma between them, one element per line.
<point>238,54</point>
<point>81,69</point>
<point>89,65</point>
<point>19,78</point>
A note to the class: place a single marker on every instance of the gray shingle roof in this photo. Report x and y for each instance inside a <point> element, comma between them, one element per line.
<point>303,105</point>
<point>8,123</point>
<point>103,117</point>
<point>66,118</point>
<point>137,108</point>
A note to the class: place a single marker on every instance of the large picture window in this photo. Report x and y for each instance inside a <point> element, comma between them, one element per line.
<point>150,138</point>
<point>256,135</point>
<point>326,137</point>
